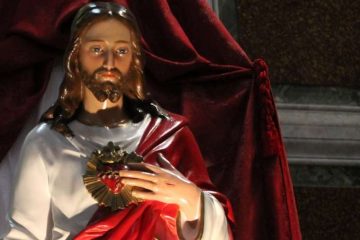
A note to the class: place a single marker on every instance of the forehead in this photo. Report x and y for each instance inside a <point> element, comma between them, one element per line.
<point>107,30</point>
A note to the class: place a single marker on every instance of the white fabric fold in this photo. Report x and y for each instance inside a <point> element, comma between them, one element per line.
<point>50,199</point>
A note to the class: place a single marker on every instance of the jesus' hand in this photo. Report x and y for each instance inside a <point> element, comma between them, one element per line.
<point>165,184</point>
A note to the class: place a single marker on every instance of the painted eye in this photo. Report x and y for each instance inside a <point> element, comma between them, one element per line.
<point>122,51</point>
<point>96,50</point>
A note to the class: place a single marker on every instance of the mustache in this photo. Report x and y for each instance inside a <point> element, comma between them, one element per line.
<point>102,87</point>
<point>114,72</point>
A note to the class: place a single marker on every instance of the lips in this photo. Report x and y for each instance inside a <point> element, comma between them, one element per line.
<point>107,76</point>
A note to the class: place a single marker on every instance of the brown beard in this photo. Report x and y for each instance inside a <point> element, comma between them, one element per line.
<point>104,90</point>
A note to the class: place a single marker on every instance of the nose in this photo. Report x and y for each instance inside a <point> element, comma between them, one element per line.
<point>109,60</point>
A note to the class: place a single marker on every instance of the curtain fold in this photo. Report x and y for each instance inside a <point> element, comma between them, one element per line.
<point>194,68</point>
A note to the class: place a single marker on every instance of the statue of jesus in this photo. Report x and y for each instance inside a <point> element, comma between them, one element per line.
<point>106,162</point>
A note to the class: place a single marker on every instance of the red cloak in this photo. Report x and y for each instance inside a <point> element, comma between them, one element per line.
<point>193,67</point>
<point>172,138</point>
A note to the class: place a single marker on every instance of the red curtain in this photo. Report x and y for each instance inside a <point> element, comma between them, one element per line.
<point>193,67</point>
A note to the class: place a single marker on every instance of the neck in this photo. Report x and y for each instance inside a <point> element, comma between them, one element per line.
<point>98,113</point>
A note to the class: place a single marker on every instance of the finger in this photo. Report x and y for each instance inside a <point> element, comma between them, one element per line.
<point>147,195</point>
<point>159,175</point>
<point>155,169</point>
<point>138,167</point>
<point>164,163</point>
<point>140,183</point>
<point>139,175</point>
<point>165,173</point>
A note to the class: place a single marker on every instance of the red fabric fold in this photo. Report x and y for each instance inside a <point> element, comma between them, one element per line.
<point>145,221</point>
<point>151,219</point>
<point>193,67</point>
<point>270,133</point>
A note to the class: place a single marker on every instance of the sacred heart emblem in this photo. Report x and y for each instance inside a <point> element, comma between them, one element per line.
<point>102,178</point>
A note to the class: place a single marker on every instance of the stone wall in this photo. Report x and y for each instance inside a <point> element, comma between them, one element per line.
<point>304,42</point>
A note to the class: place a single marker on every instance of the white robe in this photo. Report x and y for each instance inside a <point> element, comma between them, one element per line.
<point>49,199</point>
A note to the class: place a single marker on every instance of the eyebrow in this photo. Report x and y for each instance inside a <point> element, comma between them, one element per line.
<point>122,41</point>
<point>99,40</point>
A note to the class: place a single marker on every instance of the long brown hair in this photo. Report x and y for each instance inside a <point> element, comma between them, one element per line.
<point>70,92</point>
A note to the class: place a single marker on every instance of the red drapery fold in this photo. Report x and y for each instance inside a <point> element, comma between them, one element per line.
<point>193,67</point>
<point>174,140</point>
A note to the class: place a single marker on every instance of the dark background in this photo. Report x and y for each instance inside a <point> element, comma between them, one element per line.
<point>304,42</point>
<point>310,46</point>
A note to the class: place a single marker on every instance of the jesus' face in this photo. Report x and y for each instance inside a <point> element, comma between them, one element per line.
<point>105,58</point>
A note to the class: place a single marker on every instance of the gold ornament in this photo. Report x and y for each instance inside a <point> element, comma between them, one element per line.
<point>102,178</point>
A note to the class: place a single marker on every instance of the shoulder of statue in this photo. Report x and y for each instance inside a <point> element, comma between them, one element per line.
<point>177,118</point>
<point>161,128</point>
<point>170,121</point>
<point>44,134</point>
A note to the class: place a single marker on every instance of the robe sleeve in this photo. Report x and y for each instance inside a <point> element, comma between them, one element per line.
<point>215,222</point>
<point>29,213</point>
